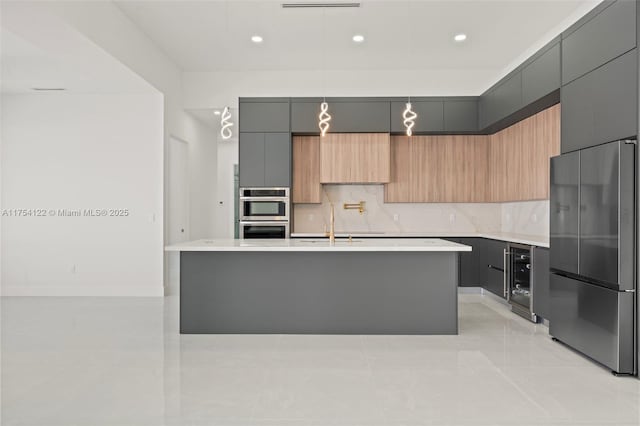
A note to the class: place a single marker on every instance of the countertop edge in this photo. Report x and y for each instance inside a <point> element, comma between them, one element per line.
<point>521,239</point>
<point>433,245</point>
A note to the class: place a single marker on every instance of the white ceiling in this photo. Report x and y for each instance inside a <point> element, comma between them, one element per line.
<point>38,50</point>
<point>215,35</point>
<point>206,117</point>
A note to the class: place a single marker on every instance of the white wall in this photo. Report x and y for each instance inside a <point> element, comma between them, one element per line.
<point>203,153</point>
<point>104,24</point>
<point>64,151</point>
<point>203,178</point>
<point>227,157</point>
<point>217,89</point>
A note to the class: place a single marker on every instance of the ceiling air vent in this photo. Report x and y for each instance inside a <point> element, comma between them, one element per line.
<point>323,4</point>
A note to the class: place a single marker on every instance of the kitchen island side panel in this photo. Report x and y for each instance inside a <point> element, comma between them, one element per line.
<point>318,292</point>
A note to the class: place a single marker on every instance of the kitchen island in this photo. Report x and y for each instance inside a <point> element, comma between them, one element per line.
<point>310,286</point>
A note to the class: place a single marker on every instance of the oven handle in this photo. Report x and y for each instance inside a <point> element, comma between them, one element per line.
<point>283,199</point>
<point>263,222</point>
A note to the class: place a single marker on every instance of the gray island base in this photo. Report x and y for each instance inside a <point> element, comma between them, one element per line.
<point>318,292</point>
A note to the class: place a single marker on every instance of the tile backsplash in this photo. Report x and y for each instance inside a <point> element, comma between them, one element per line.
<point>530,218</point>
<point>526,217</point>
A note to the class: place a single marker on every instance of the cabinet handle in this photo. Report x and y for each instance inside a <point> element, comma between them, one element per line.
<point>504,275</point>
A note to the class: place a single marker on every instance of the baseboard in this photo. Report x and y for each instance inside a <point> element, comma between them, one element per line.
<point>495,298</point>
<point>81,291</point>
<point>469,290</point>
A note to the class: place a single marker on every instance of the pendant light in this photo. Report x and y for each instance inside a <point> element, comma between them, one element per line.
<point>324,117</point>
<point>225,122</point>
<point>409,117</point>
<point>225,117</point>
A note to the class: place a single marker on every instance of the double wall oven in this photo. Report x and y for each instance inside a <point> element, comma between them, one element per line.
<point>264,213</point>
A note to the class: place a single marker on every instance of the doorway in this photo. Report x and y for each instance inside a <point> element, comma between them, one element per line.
<point>178,206</point>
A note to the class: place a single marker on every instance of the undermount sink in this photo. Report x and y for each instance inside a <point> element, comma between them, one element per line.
<point>326,240</point>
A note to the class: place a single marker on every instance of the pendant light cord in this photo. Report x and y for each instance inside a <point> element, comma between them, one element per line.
<point>324,53</point>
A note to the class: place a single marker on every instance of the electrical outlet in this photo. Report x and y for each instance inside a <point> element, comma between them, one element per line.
<point>534,218</point>
<point>395,217</point>
<point>452,218</point>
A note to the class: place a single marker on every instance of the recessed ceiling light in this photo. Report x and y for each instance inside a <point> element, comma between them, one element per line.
<point>256,39</point>
<point>460,37</point>
<point>216,112</point>
<point>358,38</point>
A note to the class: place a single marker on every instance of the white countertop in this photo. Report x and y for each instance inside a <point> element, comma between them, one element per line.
<point>311,244</point>
<point>533,240</point>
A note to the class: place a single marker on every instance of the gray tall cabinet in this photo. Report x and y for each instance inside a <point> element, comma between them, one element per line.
<point>600,90</point>
<point>523,89</point>
<point>265,143</point>
<point>600,77</point>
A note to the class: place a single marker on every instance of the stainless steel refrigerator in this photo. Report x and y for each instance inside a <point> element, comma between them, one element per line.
<point>592,253</point>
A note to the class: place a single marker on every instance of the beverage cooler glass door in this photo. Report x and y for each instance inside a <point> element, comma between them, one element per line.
<point>520,277</point>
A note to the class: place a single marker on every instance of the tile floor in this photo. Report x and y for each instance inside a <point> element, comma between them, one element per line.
<point>121,361</point>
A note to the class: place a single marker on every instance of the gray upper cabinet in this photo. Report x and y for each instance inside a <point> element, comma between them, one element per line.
<point>304,117</point>
<point>604,37</point>
<point>461,115</point>
<point>508,97</point>
<point>265,115</point>
<point>277,160</point>
<point>251,159</point>
<point>430,116</point>
<point>347,116</point>
<point>601,106</point>
<point>542,76</point>
<point>265,159</point>
<point>359,117</point>
<point>485,110</point>
<point>501,101</point>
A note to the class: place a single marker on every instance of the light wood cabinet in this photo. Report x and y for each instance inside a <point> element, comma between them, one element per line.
<point>355,158</point>
<point>519,157</point>
<point>511,165</point>
<point>437,169</point>
<point>306,170</point>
